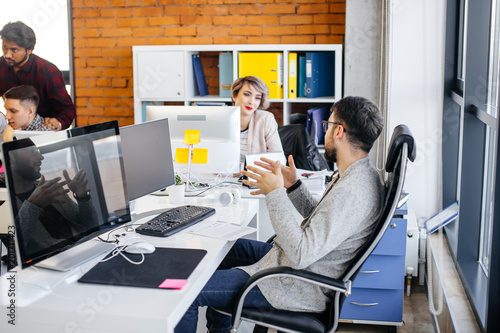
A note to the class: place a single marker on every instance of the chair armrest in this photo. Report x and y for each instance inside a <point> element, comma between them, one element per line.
<point>299,274</point>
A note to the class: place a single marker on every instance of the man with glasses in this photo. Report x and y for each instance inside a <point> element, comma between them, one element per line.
<point>333,230</point>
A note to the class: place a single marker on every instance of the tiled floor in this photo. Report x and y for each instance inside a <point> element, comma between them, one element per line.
<point>416,316</point>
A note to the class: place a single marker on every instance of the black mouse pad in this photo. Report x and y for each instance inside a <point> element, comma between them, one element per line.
<point>158,270</point>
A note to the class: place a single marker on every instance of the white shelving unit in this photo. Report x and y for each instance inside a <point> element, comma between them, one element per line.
<point>165,73</point>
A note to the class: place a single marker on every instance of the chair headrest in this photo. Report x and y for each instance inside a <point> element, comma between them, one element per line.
<point>401,135</point>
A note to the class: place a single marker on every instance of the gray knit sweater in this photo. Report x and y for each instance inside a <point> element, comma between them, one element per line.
<point>326,240</point>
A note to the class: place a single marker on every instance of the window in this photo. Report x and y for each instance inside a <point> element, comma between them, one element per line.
<point>49,21</point>
<point>490,149</point>
<point>470,151</point>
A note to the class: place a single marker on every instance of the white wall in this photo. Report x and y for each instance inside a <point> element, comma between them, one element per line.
<point>49,20</point>
<point>416,96</point>
<point>416,82</point>
<point>362,49</point>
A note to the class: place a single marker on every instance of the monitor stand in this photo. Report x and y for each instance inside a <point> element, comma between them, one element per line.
<point>76,255</point>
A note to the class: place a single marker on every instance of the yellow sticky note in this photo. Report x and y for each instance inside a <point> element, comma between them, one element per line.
<point>182,155</point>
<point>191,137</point>
<point>200,155</point>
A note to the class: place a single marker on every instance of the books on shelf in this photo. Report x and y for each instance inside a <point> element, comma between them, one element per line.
<point>268,66</point>
<point>301,83</point>
<point>314,125</point>
<point>320,74</point>
<point>292,75</point>
<point>199,74</point>
<point>225,74</point>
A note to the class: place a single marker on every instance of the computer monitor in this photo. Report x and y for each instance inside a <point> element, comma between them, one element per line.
<point>147,157</point>
<point>52,216</point>
<point>219,128</point>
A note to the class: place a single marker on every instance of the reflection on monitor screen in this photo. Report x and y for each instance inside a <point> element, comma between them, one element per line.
<point>219,128</point>
<point>63,190</point>
<point>147,157</point>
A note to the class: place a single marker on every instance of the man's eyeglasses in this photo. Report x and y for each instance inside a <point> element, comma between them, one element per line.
<point>326,123</point>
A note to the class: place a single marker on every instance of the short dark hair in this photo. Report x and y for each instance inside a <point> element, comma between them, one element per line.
<point>361,119</point>
<point>19,33</point>
<point>258,85</point>
<point>26,94</point>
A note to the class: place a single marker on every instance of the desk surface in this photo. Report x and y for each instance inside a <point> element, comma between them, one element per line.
<point>49,301</point>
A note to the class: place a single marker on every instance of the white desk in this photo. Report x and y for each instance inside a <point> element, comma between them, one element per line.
<point>264,227</point>
<point>48,301</point>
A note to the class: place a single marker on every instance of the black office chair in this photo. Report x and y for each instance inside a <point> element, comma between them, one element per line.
<point>298,143</point>
<point>402,147</point>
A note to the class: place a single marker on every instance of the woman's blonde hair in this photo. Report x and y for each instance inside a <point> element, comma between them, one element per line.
<point>257,84</point>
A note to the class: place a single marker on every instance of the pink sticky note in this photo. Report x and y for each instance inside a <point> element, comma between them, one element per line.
<point>2,169</point>
<point>173,284</point>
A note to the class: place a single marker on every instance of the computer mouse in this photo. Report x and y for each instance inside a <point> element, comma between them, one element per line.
<point>140,247</point>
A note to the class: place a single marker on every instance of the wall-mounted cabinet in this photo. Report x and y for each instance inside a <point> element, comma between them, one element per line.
<point>165,74</point>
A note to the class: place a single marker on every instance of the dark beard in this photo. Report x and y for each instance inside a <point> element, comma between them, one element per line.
<point>331,155</point>
<point>15,64</point>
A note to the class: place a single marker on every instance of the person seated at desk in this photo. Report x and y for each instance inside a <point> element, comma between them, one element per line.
<point>259,130</point>
<point>44,205</point>
<point>20,66</point>
<point>333,230</point>
<point>21,105</point>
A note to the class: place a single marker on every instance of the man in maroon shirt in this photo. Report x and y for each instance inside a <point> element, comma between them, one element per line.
<point>19,66</point>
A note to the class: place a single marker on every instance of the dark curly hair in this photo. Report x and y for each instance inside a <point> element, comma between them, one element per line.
<point>361,119</point>
<point>19,33</point>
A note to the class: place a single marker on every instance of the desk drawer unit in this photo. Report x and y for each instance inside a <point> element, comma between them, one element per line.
<point>378,290</point>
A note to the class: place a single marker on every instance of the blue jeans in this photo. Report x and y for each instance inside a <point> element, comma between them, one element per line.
<point>222,288</point>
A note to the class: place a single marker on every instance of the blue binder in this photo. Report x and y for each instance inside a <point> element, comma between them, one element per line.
<point>225,74</point>
<point>320,74</point>
<point>199,75</point>
<point>301,83</point>
<point>313,125</point>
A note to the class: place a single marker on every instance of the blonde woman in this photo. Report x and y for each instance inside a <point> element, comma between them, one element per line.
<point>259,130</point>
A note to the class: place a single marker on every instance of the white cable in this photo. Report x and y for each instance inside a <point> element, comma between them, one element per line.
<point>119,251</point>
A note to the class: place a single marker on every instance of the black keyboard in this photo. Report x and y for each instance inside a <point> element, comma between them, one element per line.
<point>175,220</point>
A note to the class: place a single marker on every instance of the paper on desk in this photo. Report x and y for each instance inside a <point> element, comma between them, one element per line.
<point>220,230</point>
<point>313,180</point>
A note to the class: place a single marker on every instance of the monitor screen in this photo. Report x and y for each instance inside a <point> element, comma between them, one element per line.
<point>64,187</point>
<point>219,128</point>
<point>147,157</point>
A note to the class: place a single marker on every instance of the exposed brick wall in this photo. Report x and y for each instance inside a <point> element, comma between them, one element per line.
<point>105,30</point>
